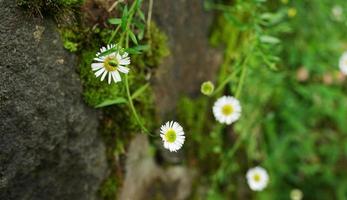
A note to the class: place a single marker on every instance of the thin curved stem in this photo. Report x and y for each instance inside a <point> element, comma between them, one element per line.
<point>132,107</point>
<point>124,38</point>
<point>241,82</point>
<point>225,81</point>
<point>149,17</point>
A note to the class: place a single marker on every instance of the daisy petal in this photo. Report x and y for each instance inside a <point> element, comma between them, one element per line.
<point>117,76</point>
<point>96,66</point>
<point>98,73</point>
<point>104,75</point>
<point>122,69</point>
<point>109,78</point>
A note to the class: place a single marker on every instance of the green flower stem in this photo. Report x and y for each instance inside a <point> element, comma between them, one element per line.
<point>132,107</point>
<point>225,81</point>
<point>230,154</point>
<point>241,82</point>
<point>149,17</point>
<point>125,36</point>
<point>114,33</point>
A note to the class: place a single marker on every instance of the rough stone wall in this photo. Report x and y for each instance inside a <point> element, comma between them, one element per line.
<point>145,179</point>
<point>192,60</point>
<point>49,146</point>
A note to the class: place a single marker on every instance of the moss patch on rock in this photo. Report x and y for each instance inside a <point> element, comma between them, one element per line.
<point>117,124</point>
<point>157,51</point>
<point>48,5</point>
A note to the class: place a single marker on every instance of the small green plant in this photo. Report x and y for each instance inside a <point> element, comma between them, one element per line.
<point>114,58</point>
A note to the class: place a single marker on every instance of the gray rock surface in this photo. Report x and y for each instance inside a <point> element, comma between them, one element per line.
<point>49,146</point>
<point>145,179</point>
<point>192,60</point>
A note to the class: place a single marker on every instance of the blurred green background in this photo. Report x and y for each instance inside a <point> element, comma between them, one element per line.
<point>294,98</point>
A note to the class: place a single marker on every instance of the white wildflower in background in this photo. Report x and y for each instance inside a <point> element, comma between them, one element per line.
<point>296,194</point>
<point>257,178</point>
<point>111,64</point>
<point>343,63</point>
<point>337,12</point>
<point>227,109</point>
<point>172,135</point>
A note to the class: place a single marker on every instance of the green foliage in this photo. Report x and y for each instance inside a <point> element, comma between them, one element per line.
<point>190,116</point>
<point>109,189</point>
<point>293,125</point>
<point>95,91</point>
<point>118,123</point>
<point>70,39</point>
<point>158,48</point>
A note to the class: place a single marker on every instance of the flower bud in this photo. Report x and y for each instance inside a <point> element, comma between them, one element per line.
<point>207,88</point>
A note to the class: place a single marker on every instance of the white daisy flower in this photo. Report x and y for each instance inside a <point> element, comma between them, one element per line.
<point>337,13</point>
<point>227,109</point>
<point>172,135</point>
<point>110,64</point>
<point>296,194</point>
<point>257,178</point>
<point>343,63</point>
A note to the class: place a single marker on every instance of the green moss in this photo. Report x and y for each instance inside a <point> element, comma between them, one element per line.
<point>118,124</point>
<point>86,43</point>
<point>117,128</point>
<point>70,2</point>
<point>48,5</point>
<point>70,39</point>
<point>158,49</point>
<point>109,188</point>
<point>95,91</point>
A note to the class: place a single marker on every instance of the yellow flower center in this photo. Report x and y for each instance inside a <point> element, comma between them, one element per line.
<point>227,109</point>
<point>256,177</point>
<point>111,63</point>
<point>170,136</point>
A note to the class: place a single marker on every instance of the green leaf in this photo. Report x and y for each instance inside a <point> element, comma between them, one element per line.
<point>141,34</point>
<point>142,47</point>
<point>115,21</point>
<point>235,21</point>
<point>138,49</point>
<point>139,24</point>
<point>133,37</point>
<point>119,100</point>
<point>269,39</point>
<point>139,91</point>
<point>132,51</point>
<point>138,4</point>
<point>124,18</point>
<point>141,15</point>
